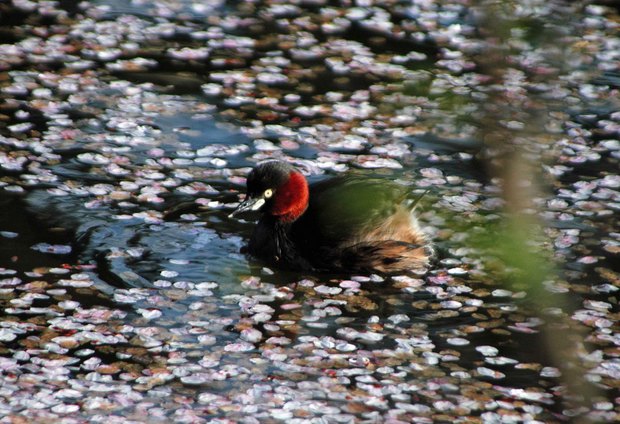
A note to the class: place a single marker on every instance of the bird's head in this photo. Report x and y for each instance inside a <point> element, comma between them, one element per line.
<point>276,188</point>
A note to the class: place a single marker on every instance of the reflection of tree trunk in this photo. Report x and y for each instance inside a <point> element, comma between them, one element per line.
<point>512,122</point>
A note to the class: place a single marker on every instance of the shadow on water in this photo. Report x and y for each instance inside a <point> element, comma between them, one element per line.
<point>34,243</point>
<point>21,231</point>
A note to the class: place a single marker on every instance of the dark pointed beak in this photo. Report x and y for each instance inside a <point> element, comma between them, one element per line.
<point>249,204</point>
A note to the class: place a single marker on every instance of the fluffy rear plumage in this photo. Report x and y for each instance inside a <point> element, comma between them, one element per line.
<point>387,256</point>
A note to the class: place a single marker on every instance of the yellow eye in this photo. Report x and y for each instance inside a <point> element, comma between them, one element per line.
<point>268,193</point>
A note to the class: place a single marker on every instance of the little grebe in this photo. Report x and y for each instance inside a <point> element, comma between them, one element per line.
<point>346,223</point>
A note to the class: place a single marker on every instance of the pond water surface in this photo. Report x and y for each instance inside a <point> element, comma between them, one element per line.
<point>126,133</point>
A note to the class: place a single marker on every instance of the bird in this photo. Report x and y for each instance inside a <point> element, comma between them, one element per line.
<point>344,223</point>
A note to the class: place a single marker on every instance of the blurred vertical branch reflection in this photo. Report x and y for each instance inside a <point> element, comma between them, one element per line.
<point>523,44</point>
